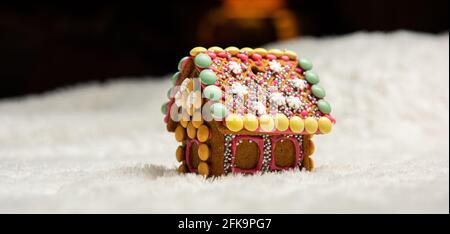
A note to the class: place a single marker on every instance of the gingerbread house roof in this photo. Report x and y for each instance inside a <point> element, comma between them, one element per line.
<point>250,91</point>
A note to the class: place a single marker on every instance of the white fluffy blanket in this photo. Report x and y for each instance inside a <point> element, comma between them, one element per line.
<point>103,147</point>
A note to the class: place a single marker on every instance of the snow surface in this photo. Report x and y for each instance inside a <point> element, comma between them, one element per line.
<point>101,148</point>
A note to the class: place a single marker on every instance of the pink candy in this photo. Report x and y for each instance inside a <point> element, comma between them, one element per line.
<point>271,57</point>
<point>242,57</point>
<point>223,55</point>
<point>298,70</point>
<point>304,113</point>
<point>285,57</point>
<point>256,57</point>
<point>211,54</point>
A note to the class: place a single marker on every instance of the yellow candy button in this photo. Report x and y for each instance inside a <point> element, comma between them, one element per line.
<point>197,50</point>
<point>266,123</point>
<point>325,125</point>
<point>215,49</point>
<point>311,125</point>
<point>296,124</point>
<point>275,52</point>
<point>233,50</point>
<point>247,50</point>
<point>234,122</point>
<point>250,122</point>
<point>291,54</point>
<point>261,51</point>
<point>281,122</point>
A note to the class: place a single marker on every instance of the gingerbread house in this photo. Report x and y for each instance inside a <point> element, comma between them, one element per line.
<point>245,111</point>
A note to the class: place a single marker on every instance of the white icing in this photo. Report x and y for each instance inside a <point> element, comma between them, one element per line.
<point>275,66</point>
<point>299,83</point>
<point>239,89</point>
<point>258,108</point>
<point>277,99</point>
<point>235,67</point>
<point>294,102</point>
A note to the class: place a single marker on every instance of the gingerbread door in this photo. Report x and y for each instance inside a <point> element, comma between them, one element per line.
<point>286,152</point>
<point>247,154</point>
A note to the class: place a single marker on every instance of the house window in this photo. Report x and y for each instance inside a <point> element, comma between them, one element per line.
<point>285,153</point>
<point>192,158</point>
<point>247,154</point>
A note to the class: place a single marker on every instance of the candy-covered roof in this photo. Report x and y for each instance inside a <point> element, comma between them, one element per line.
<point>252,91</point>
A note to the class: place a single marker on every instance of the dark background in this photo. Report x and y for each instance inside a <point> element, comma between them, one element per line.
<point>45,46</point>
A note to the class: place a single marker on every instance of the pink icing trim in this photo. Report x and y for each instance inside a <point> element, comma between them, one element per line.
<point>273,165</point>
<point>188,154</point>
<point>258,141</point>
<point>169,106</point>
<point>331,118</point>
<point>183,64</point>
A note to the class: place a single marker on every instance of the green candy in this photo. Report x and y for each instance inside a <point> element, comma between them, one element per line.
<point>181,62</point>
<point>212,92</point>
<point>164,108</point>
<point>324,106</point>
<point>218,110</point>
<point>305,64</point>
<point>169,93</point>
<point>202,60</point>
<point>318,91</point>
<point>175,78</point>
<point>312,77</point>
<point>208,77</point>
